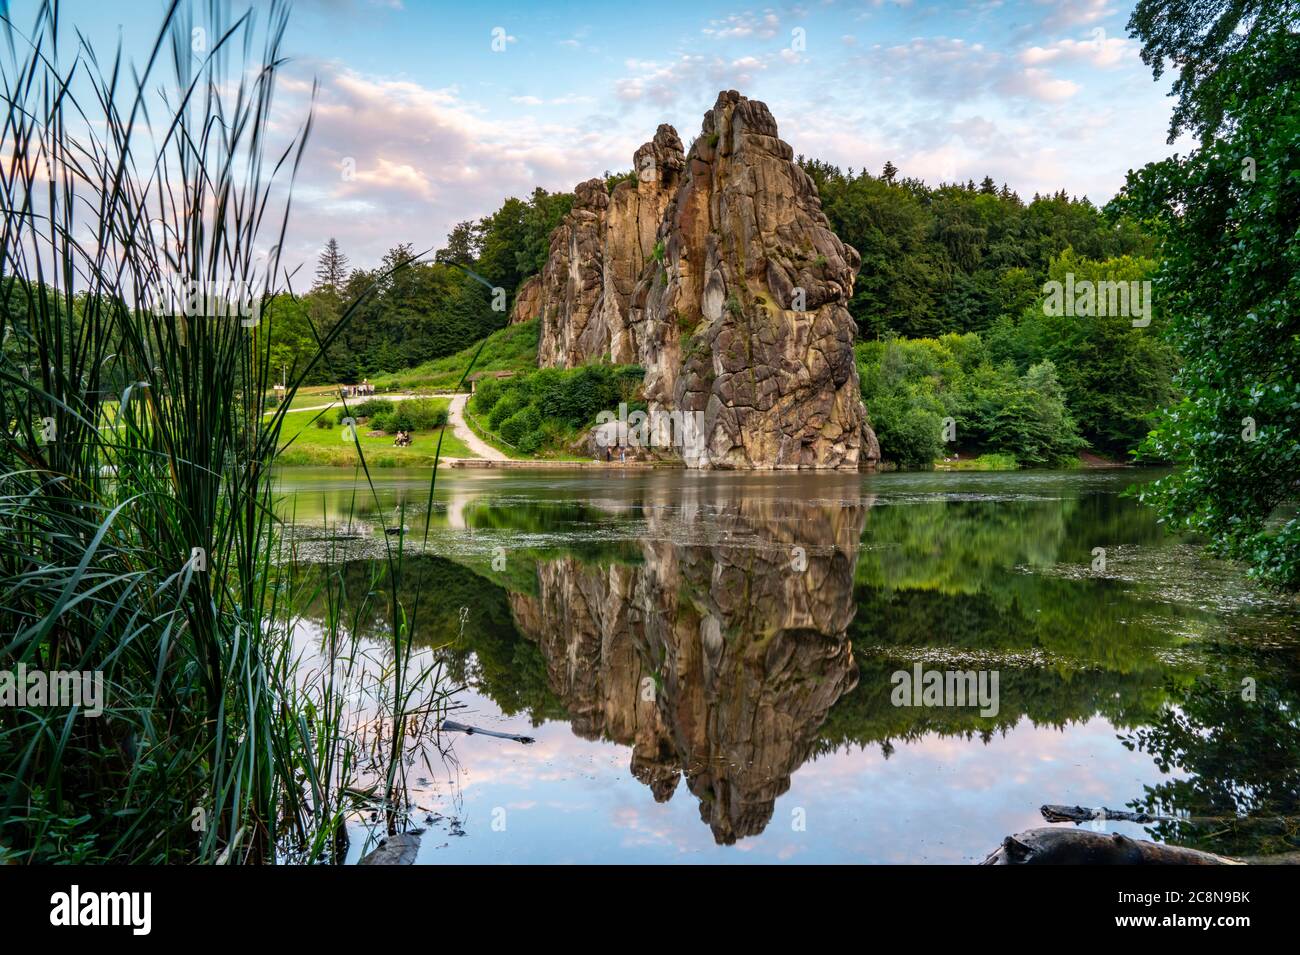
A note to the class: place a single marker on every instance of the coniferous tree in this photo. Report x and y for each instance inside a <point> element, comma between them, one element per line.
<point>331,267</point>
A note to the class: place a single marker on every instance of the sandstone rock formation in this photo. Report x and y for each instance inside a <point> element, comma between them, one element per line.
<point>597,254</point>
<point>717,660</point>
<point>528,301</point>
<point>735,303</point>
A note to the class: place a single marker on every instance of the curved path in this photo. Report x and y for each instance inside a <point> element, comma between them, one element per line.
<point>462,431</point>
<point>357,400</point>
<point>455,416</point>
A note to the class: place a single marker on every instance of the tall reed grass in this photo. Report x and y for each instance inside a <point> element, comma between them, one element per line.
<point>136,436</point>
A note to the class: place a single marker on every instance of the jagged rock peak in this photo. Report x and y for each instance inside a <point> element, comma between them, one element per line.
<point>596,255</point>
<point>741,324</point>
<point>718,272</point>
<point>662,159</point>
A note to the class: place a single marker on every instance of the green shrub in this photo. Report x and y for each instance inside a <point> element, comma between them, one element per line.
<point>531,442</point>
<point>911,385</point>
<point>523,421</point>
<point>365,409</point>
<point>547,408</point>
<point>417,414</point>
<point>912,433</point>
<point>324,422</point>
<point>423,414</point>
<point>371,406</point>
<point>504,408</point>
<point>486,395</point>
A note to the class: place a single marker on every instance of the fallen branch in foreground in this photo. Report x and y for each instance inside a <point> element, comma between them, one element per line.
<point>1081,814</point>
<point>453,727</point>
<point>1058,846</point>
<point>1055,813</point>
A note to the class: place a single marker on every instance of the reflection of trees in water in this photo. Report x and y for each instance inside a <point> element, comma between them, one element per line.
<point>977,585</point>
<point>508,669</point>
<point>717,662</point>
<point>1241,794</point>
<point>1110,667</point>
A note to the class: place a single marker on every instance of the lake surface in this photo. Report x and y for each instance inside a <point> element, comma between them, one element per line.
<point>707,662</point>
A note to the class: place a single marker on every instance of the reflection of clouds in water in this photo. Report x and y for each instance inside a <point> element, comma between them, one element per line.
<point>938,799</point>
<point>990,583</point>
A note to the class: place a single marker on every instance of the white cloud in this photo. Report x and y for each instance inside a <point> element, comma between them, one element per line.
<point>578,40</point>
<point>569,100</point>
<point>423,160</point>
<point>1100,51</point>
<point>1068,14</point>
<point>1037,84</point>
<point>953,70</point>
<point>690,75</point>
<point>741,25</point>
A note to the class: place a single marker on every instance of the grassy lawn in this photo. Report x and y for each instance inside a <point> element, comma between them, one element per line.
<point>312,445</point>
<point>984,462</point>
<point>311,396</point>
<point>313,399</point>
<point>513,348</point>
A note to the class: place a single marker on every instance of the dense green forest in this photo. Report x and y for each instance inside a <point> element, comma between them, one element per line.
<point>1227,222</point>
<point>956,258</point>
<point>960,354</point>
<point>415,307</point>
<point>953,260</point>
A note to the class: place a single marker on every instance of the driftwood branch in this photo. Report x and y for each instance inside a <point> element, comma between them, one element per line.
<point>1055,813</point>
<point>1053,846</point>
<point>454,727</point>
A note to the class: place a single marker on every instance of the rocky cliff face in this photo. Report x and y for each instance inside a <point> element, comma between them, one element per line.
<point>597,255</point>
<point>716,661</point>
<point>719,274</point>
<point>528,301</point>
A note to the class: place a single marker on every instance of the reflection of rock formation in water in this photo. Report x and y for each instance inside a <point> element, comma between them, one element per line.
<point>719,660</point>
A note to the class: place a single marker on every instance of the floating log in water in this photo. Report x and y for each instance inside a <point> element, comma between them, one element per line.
<point>1051,846</point>
<point>1054,813</point>
<point>453,727</point>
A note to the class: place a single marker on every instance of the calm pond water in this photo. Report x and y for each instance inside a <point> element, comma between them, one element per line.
<point>706,662</point>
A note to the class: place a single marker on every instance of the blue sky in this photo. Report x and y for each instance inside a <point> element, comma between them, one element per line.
<point>440,127</point>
